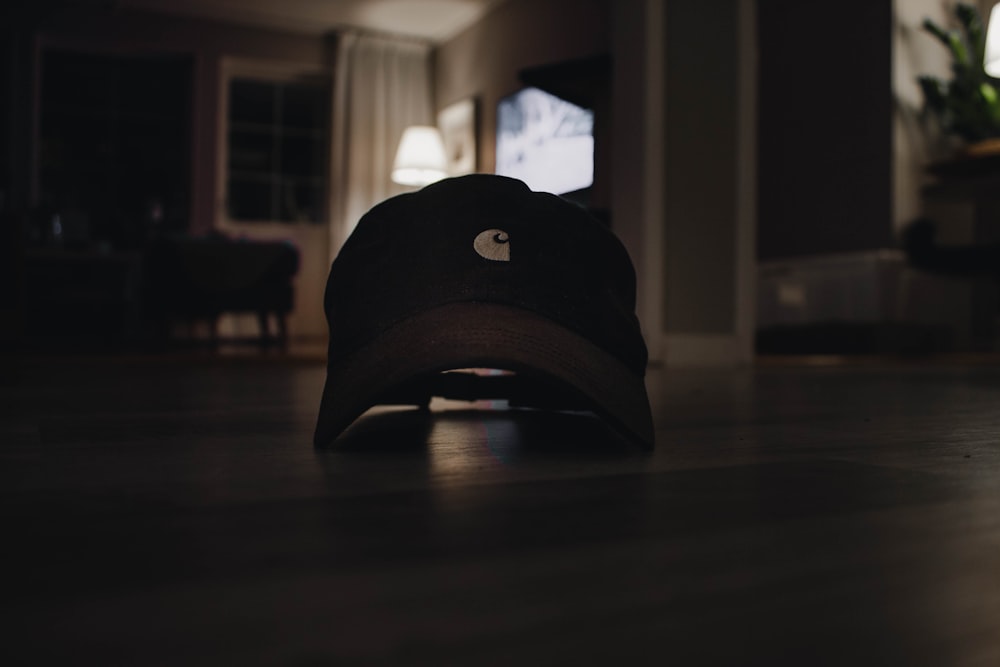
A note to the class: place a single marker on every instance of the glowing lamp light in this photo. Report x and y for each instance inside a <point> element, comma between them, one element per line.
<point>420,158</point>
<point>991,63</point>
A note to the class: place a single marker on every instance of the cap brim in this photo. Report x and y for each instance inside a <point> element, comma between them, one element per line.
<point>467,335</point>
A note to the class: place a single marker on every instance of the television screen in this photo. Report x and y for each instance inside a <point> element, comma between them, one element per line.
<point>545,141</point>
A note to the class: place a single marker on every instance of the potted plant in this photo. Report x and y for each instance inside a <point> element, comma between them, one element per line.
<point>967,106</point>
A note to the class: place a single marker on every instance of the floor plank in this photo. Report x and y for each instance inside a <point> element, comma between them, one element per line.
<point>173,511</point>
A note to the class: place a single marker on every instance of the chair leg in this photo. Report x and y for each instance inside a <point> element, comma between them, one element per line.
<point>282,319</point>
<point>265,329</point>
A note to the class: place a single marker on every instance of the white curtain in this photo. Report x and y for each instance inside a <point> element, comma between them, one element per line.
<point>381,86</point>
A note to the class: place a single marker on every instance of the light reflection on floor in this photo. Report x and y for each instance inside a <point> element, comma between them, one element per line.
<point>483,426</point>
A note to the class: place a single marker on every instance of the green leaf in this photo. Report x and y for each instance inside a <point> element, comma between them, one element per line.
<point>968,105</point>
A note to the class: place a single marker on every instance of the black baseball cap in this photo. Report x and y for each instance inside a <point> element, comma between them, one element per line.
<point>478,271</point>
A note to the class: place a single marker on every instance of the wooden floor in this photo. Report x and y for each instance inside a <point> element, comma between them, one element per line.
<point>173,511</point>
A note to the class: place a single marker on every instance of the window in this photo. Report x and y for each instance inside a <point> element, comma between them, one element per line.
<point>278,146</point>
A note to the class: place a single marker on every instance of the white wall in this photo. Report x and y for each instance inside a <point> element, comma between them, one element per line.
<point>709,182</point>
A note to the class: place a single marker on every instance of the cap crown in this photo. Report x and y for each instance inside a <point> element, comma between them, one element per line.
<point>486,239</point>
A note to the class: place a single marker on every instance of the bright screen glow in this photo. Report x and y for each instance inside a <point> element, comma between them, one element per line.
<point>545,141</point>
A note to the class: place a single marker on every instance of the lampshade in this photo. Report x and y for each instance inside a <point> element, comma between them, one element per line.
<point>991,63</point>
<point>420,158</point>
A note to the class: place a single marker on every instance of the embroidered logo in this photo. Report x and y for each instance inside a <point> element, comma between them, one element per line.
<point>493,244</point>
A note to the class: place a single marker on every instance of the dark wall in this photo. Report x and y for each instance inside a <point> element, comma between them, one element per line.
<point>114,144</point>
<point>16,78</point>
<point>825,115</point>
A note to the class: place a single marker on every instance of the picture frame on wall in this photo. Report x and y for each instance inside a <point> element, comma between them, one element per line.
<point>457,123</point>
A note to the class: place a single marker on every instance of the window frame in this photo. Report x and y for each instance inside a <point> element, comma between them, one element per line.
<point>273,73</point>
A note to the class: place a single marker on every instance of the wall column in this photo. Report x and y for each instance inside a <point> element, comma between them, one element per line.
<point>685,184</point>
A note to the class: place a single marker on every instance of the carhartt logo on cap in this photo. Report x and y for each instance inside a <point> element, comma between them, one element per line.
<point>493,244</point>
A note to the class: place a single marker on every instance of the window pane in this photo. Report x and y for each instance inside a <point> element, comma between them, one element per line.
<point>301,202</point>
<point>250,199</point>
<point>303,106</point>
<point>278,148</point>
<point>251,102</point>
<point>251,151</point>
<point>302,156</point>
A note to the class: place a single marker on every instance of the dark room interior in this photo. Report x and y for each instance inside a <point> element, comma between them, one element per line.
<point>808,193</point>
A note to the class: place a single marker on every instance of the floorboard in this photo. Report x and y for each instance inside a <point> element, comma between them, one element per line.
<point>164,511</point>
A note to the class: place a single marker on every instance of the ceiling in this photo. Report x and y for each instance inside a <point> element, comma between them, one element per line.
<point>434,20</point>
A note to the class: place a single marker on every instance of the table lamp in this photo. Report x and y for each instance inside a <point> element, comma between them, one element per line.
<point>420,158</point>
<point>991,61</point>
